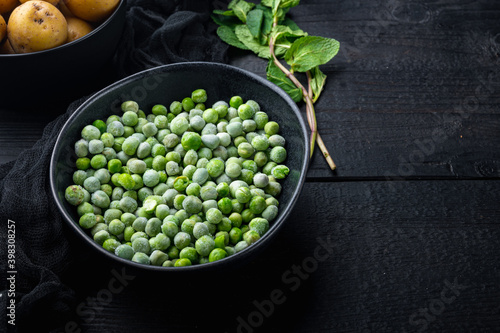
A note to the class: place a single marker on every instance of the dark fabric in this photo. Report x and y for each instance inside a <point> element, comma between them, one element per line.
<point>156,32</point>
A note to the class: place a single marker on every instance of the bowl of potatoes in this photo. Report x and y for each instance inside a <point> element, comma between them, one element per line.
<point>54,50</point>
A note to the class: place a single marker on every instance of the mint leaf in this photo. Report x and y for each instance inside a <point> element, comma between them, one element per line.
<point>289,3</point>
<point>291,24</point>
<point>318,80</point>
<point>246,37</point>
<point>268,3</point>
<point>254,21</point>
<point>224,12</point>
<point>228,21</point>
<point>311,51</point>
<point>227,35</point>
<point>241,8</point>
<point>276,76</point>
<point>282,31</point>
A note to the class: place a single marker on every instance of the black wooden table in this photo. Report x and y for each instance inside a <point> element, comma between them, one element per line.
<point>403,237</point>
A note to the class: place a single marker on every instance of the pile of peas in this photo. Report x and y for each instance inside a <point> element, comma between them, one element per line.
<point>180,186</point>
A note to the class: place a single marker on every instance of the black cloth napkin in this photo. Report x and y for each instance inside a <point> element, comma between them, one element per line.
<point>156,32</point>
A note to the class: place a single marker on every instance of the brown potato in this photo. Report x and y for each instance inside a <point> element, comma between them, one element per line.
<point>7,5</point>
<point>36,26</point>
<point>77,28</point>
<point>64,9</point>
<point>92,10</point>
<point>3,28</point>
<point>52,2</point>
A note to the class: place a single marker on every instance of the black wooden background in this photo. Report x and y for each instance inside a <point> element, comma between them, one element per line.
<point>403,237</point>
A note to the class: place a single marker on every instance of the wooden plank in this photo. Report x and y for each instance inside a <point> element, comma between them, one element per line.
<point>401,258</point>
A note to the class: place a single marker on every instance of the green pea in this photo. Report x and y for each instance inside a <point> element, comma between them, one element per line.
<point>215,167</point>
<point>157,258</point>
<point>179,125</point>
<point>217,254</point>
<point>280,171</point>
<point>182,240</point>
<point>88,220</point>
<point>110,244</point>
<point>141,258</point>
<point>187,104</point>
<point>271,128</point>
<point>235,101</point>
<point>81,148</point>
<point>182,262</point>
<point>225,205</point>
<point>204,245</point>
<point>169,228</point>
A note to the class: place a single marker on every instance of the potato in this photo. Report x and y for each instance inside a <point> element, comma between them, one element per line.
<point>6,48</point>
<point>77,28</point>
<point>52,2</point>
<point>7,5</point>
<point>92,10</point>
<point>64,9</point>
<point>3,28</point>
<point>36,26</point>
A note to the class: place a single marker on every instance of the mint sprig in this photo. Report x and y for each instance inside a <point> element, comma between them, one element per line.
<point>267,31</point>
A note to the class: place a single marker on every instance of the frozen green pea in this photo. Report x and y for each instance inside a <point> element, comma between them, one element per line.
<point>108,189</point>
<point>231,113</point>
<point>224,225</point>
<point>278,154</point>
<point>245,111</point>
<point>251,236</point>
<point>100,199</point>
<point>217,254</point>
<point>195,113</point>
<point>245,150</point>
<point>170,229</point>
<point>208,193</point>
<point>210,116</point>
<point>178,201</point>
<point>215,167</point>
<point>239,140</point>
<point>182,240</point>
<point>249,125</point>
<point>171,140</point>
<point>159,163</point>
<point>221,152</point>
<point>202,163</point>
<point>189,171</point>
<point>235,101</point>
<point>276,140</point>
<point>200,229</point>
<point>90,132</point>
<point>260,180</point>
<point>116,227</point>
<point>130,118</point>
<point>110,244</point>
<point>159,242</point>
<point>98,161</point>
<point>98,227</point>
<point>181,183</point>
<point>101,125</point>
<point>213,215</point>
<point>280,171</point>
<point>128,204</point>
<point>234,129</point>
<point>141,258</point>
<point>143,150</point>
<point>115,128</point>
<point>225,205</point>
<point>179,125</point>
<point>131,193</point>
<point>175,107</point>
<point>130,145</point>
<point>130,106</point>
<point>260,159</point>
<point>117,146</point>
<point>172,168</point>
<point>161,188</point>
<point>204,245</point>
<point>128,131</point>
<point>181,215</point>
<point>187,226</point>
<point>222,189</point>
<point>114,165</point>
<point>153,226</point>
<point>273,188</point>
<point>235,235</point>
<point>267,169</point>
<point>112,214</point>
<point>233,170</point>
<point>128,219</point>
<point>209,129</point>
<point>187,104</point>
<point>199,96</point>
<point>193,189</point>
<point>138,183</point>
<point>101,236</point>
<point>109,153</point>
<point>272,128</point>
<point>253,104</point>
<point>157,258</point>
<point>261,119</point>
<point>270,213</point>
<point>161,122</point>
<point>124,251</point>
<point>81,148</point>
<point>221,125</point>
<point>192,204</point>
<point>79,177</point>
<point>162,133</point>
<point>190,158</point>
<point>221,239</point>
<point>139,223</point>
<point>232,151</point>
<point>197,123</point>
<point>191,140</point>
<point>102,175</point>
<point>224,139</point>
<point>243,195</point>
<point>257,204</point>
<point>126,181</point>
<point>143,193</point>
<point>169,196</point>
<point>151,178</point>
<point>260,142</point>
<point>88,220</point>
<point>221,110</point>
<point>210,141</point>
<point>149,129</point>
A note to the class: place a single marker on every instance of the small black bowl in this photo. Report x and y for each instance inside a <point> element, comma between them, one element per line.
<point>61,74</point>
<point>163,85</point>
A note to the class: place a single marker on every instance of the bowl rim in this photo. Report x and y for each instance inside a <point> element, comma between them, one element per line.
<point>262,242</point>
<point>96,30</point>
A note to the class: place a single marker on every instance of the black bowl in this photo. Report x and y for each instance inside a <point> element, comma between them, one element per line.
<point>61,74</point>
<point>163,85</point>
